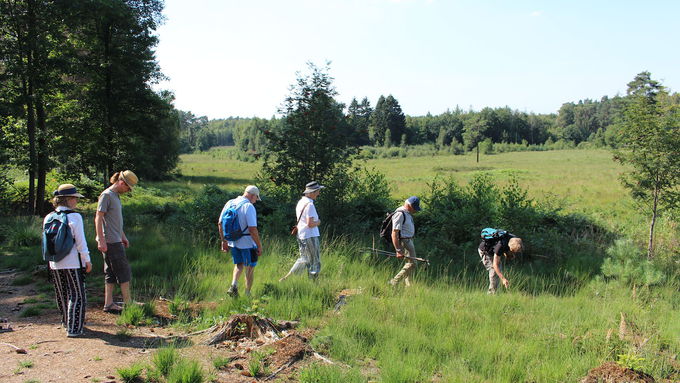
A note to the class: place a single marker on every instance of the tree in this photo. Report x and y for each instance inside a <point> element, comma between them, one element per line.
<point>474,131</point>
<point>313,140</point>
<point>387,116</point>
<point>359,118</point>
<point>650,144</point>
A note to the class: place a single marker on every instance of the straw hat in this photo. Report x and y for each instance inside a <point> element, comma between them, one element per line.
<point>129,178</point>
<point>67,190</point>
<point>312,187</point>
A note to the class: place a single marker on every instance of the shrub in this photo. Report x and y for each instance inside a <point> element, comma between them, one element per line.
<point>628,263</point>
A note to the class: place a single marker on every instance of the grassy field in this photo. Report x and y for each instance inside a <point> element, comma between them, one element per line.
<point>546,328</point>
<point>585,180</point>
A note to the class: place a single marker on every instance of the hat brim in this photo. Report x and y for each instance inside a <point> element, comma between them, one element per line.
<point>71,195</point>
<point>313,190</point>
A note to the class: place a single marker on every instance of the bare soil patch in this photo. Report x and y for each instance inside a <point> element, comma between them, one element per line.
<point>102,349</point>
<point>611,372</point>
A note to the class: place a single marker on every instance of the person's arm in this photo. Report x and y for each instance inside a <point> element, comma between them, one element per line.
<point>497,269</point>
<point>255,235</point>
<point>124,239</point>
<point>99,228</point>
<point>395,242</point>
<point>312,222</point>
<point>80,242</point>
<point>224,245</point>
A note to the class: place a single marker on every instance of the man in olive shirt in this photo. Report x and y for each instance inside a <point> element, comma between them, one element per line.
<point>403,231</point>
<point>111,239</point>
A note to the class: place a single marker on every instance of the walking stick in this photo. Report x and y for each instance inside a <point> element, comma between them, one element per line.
<point>393,254</point>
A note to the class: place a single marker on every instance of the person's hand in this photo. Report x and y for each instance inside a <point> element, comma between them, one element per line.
<point>400,254</point>
<point>101,245</point>
<point>88,267</point>
<point>225,246</point>
<point>259,251</point>
<point>125,242</point>
<point>506,284</point>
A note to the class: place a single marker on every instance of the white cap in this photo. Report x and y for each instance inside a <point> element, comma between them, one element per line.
<point>252,189</point>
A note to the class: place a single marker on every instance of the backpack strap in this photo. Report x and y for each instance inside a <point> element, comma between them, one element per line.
<point>302,213</point>
<point>403,219</point>
<point>238,207</point>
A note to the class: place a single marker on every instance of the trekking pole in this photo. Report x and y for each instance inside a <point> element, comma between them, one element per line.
<point>393,254</point>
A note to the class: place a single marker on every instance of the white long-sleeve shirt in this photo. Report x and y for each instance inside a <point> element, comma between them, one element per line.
<point>75,222</point>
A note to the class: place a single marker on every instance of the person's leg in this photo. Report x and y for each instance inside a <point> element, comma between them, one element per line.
<point>61,295</point>
<point>249,278</point>
<point>411,252</point>
<point>76,302</point>
<point>493,278</point>
<point>301,262</point>
<point>108,294</point>
<point>314,253</point>
<point>125,291</point>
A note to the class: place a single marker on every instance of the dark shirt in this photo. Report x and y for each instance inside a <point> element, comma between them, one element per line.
<point>495,246</point>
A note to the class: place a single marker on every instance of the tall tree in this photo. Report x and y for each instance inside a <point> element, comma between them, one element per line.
<point>359,118</point>
<point>313,140</point>
<point>650,144</point>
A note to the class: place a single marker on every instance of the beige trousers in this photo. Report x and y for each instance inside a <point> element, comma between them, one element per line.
<point>407,270</point>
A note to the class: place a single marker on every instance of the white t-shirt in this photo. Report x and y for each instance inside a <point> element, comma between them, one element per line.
<point>75,222</point>
<point>305,231</point>
<point>247,217</point>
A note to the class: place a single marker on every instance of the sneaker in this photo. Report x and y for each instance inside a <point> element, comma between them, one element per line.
<point>74,335</point>
<point>233,291</point>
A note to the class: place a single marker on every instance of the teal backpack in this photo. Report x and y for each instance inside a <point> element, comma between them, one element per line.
<point>490,233</point>
<point>57,239</point>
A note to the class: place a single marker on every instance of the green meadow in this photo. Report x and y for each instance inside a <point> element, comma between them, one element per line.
<point>554,324</point>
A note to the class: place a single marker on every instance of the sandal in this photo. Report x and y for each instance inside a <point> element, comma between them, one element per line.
<point>113,308</point>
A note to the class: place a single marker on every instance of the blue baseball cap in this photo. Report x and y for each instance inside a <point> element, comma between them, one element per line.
<point>414,202</point>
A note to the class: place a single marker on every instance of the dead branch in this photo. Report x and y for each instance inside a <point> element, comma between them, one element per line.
<point>18,350</point>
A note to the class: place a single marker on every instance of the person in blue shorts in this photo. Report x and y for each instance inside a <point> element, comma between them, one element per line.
<point>246,250</point>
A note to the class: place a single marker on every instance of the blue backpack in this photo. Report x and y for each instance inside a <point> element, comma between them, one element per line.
<point>57,239</point>
<point>230,226</point>
<point>491,233</point>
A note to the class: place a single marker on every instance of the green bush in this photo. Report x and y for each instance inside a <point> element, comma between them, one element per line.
<point>629,264</point>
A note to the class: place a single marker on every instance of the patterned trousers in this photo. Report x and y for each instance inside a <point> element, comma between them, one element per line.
<point>407,270</point>
<point>310,257</point>
<point>69,288</point>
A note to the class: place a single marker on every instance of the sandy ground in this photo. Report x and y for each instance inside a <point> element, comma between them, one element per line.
<point>95,356</point>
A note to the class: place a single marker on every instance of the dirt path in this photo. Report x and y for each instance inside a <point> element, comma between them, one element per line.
<point>95,356</point>
<point>56,358</point>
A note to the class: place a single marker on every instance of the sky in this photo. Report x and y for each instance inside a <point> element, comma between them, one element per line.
<point>239,58</point>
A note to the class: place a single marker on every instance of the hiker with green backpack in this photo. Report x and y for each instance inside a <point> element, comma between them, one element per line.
<point>238,231</point>
<point>497,243</point>
<point>65,247</point>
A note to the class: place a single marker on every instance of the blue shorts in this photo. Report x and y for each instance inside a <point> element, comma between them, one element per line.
<point>245,256</point>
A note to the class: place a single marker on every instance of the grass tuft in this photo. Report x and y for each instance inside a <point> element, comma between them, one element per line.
<point>186,372</point>
<point>164,359</point>
<point>132,374</point>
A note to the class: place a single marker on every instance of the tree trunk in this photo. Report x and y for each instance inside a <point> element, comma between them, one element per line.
<point>30,127</point>
<point>478,152</point>
<point>42,157</point>
<point>30,105</point>
<point>650,247</point>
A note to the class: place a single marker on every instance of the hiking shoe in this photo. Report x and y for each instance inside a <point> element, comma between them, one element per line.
<point>233,291</point>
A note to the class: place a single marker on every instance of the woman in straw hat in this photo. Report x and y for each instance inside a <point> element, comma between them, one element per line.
<point>111,239</point>
<point>67,276</point>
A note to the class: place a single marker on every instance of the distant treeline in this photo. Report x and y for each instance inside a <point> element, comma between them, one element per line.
<point>587,122</point>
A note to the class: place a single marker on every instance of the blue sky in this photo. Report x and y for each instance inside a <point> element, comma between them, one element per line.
<point>239,58</point>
